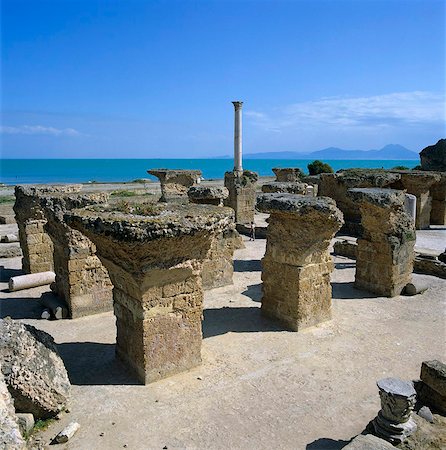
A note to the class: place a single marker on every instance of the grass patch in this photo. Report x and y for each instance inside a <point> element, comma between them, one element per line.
<point>7,199</point>
<point>124,193</point>
<point>42,425</point>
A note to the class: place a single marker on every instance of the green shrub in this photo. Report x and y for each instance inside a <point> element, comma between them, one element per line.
<point>123,193</point>
<point>417,167</point>
<point>7,198</point>
<point>400,168</point>
<point>317,167</point>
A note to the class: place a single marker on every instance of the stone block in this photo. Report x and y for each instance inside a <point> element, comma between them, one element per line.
<point>175,182</point>
<point>242,195</point>
<point>433,373</point>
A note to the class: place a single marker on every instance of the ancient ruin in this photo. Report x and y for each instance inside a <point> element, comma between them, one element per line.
<point>386,250</point>
<point>288,187</point>
<point>438,193</point>
<point>242,195</point>
<point>431,389</point>
<point>175,182</point>
<point>394,422</point>
<point>419,184</point>
<point>288,174</point>
<point>336,186</point>
<point>36,245</point>
<point>297,265</point>
<point>433,157</point>
<point>154,257</point>
<point>208,195</point>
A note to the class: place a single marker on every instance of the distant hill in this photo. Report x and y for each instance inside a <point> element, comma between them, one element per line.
<point>391,151</point>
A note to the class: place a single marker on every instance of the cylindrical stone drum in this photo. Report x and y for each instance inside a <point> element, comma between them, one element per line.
<point>31,280</point>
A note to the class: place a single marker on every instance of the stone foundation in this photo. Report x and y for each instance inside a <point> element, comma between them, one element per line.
<point>418,183</point>
<point>285,188</point>
<point>386,251</point>
<point>288,174</point>
<point>36,245</point>
<point>336,186</point>
<point>205,195</point>
<point>154,260</point>
<point>175,182</point>
<point>297,266</point>
<point>242,195</point>
<point>438,194</point>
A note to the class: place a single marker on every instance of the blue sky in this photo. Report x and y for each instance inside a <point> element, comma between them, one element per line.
<point>153,79</point>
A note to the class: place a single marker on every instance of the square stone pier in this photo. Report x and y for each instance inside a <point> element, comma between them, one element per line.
<point>175,182</point>
<point>438,193</point>
<point>36,245</point>
<point>81,279</point>
<point>154,256</point>
<point>419,184</point>
<point>385,253</point>
<point>296,267</point>
<point>242,194</point>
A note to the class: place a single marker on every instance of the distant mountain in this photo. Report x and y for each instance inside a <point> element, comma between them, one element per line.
<point>391,151</point>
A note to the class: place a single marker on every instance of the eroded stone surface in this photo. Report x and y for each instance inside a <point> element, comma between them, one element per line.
<point>33,370</point>
<point>296,267</point>
<point>154,259</point>
<point>208,195</point>
<point>385,252</point>
<point>242,195</point>
<point>368,442</point>
<point>418,183</point>
<point>433,157</point>
<point>336,186</point>
<point>175,182</point>
<point>438,194</point>
<point>282,187</point>
<point>287,174</point>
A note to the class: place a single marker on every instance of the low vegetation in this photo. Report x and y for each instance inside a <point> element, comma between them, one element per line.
<point>6,199</point>
<point>317,167</point>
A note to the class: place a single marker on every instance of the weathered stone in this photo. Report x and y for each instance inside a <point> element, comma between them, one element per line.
<point>33,370</point>
<point>385,253</point>
<point>36,245</point>
<point>288,174</point>
<point>175,182</point>
<point>433,373</point>
<point>10,250</point>
<point>81,279</point>
<point>26,422</point>
<point>296,267</point>
<point>438,194</point>
<point>430,397</point>
<point>346,248</point>
<point>67,433</point>
<point>433,157</point>
<point>8,218</point>
<point>336,186</point>
<point>394,422</point>
<point>282,187</point>
<point>429,265</point>
<point>418,183</point>
<point>154,259</point>
<point>242,195</point>
<point>208,195</point>
<point>426,414</point>
<point>10,434</point>
<point>368,442</point>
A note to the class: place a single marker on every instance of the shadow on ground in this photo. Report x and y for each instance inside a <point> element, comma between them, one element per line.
<point>237,320</point>
<point>254,292</point>
<point>345,265</point>
<point>347,291</point>
<point>20,308</point>
<point>6,274</point>
<point>326,444</point>
<point>94,363</point>
<point>248,265</point>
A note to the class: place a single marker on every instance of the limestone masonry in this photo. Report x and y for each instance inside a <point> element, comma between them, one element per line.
<point>175,182</point>
<point>296,267</point>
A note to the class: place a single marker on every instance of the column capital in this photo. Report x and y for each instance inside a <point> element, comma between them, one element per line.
<point>237,105</point>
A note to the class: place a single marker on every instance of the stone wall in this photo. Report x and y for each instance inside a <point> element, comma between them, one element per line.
<point>385,252</point>
<point>154,260</point>
<point>287,174</point>
<point>282,187</point>
<point>175,182</point>
<point>36,245</point>
<point>438,194</point>
<point>242,195</point>
<point>296,267</point>
<point>336,186</point>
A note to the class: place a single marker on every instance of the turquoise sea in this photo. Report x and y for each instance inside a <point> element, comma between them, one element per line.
<point>16,171</point>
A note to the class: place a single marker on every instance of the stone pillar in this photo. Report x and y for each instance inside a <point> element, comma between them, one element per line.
<point>208,195</point>
<point>238,136</point>
<point>410,205</point>
<point>154,260</point>
<point>438,193</point>
<point>394,422</point>
<point>81,279</point>
<point>384,262</point>
<point>419,183</point>
<point>288,174</point>
<point>286,188</point>
<point>175,183</point>
<point>297,265</point>
<point>35,243</point>
<point>242,195</point>
<point>336,186</point>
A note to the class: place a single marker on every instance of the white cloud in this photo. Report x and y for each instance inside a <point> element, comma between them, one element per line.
<point>374,112</point>
<point>39,130</point>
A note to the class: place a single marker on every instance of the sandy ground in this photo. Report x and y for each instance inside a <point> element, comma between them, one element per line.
<point>259,386</point>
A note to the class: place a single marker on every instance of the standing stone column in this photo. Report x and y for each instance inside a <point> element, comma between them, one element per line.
<point>394,422</point>
<point>438,193</point>
<point>154,258</point>
<point>296,267</point>
<point>385,253</point>
<point>419,183</point>
<point>36,245</point>
<point>238,136</point>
